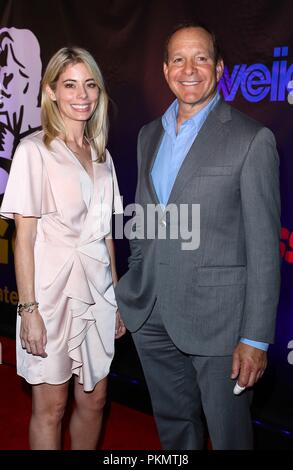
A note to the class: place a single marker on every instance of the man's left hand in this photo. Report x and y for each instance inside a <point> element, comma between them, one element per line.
<point>248,364</point>
<point>120,329</point>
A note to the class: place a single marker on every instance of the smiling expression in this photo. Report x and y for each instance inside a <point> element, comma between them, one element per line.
<point>191,71</point>
<point>76,93</point>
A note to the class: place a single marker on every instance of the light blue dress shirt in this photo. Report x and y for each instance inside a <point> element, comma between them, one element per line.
<point>172,152</point>
<point>174,147</point>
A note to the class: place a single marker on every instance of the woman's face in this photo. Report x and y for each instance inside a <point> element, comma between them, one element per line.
<point>76,93</point>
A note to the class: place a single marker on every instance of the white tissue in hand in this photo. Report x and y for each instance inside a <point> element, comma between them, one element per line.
<point>238,389</point>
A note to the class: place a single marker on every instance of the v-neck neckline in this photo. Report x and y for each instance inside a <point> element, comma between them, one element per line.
<point>92,179</point>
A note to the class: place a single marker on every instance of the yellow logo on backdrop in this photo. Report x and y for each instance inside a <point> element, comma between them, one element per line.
<point>6,295</point>
<point>4,242</point>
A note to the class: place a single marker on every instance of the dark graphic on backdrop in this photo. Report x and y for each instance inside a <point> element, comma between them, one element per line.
<point>20,75</point>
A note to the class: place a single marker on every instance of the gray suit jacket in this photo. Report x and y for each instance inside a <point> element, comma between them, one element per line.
<point>229,287</point>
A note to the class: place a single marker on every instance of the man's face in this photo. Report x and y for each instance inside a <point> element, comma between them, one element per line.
<point>191,72</point>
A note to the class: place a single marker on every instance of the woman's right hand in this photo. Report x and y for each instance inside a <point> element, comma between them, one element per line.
<point>33,333</point>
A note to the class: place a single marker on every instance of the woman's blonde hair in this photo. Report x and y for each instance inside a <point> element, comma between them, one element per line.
<point>96,130</point>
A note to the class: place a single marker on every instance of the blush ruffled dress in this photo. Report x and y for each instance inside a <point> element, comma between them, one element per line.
<point>73,280</point>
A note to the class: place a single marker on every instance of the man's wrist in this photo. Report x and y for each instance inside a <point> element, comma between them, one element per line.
<point>255,344</point>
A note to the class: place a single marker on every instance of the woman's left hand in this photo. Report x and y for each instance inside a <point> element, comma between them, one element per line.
<point>120,329</point>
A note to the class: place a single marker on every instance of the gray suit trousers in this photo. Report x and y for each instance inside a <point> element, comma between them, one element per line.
<point>181,386</point>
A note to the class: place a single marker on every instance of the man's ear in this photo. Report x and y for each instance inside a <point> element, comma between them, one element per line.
<point>166,70</point>
<point>219,69</point>
<point>50,93</point>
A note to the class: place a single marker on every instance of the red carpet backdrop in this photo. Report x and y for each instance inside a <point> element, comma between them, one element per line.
<point>126,37</point>
<point>122,428</point>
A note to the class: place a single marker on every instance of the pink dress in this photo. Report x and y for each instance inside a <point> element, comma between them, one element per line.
<point>73,281</point>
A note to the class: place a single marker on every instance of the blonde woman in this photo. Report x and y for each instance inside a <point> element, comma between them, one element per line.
<point>61,192</point>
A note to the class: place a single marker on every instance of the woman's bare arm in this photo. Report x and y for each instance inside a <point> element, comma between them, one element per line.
<point>120,329</point>
<point>33,332</point>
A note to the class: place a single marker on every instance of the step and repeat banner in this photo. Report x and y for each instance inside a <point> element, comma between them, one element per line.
<point>127,38</point>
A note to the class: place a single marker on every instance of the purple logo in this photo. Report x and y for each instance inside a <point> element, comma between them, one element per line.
<point>20,76</point>
<point>258,81</point>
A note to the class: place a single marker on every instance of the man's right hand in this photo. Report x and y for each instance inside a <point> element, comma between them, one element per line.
<point>248,364</point>
<point>33,334</point>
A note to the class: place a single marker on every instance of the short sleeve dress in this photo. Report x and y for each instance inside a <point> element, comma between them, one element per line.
<point>73,280</point>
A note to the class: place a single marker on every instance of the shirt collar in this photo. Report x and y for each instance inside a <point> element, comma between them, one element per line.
<point>196,121</point>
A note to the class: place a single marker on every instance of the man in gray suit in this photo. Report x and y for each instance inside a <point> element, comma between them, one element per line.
<point>202,319</point>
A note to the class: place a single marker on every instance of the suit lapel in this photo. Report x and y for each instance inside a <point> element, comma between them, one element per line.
<point>154,145</point>
<point>205,143</point>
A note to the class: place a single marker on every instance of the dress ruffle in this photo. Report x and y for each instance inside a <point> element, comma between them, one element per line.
<point>86,316</point>
<point>87,283</point>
